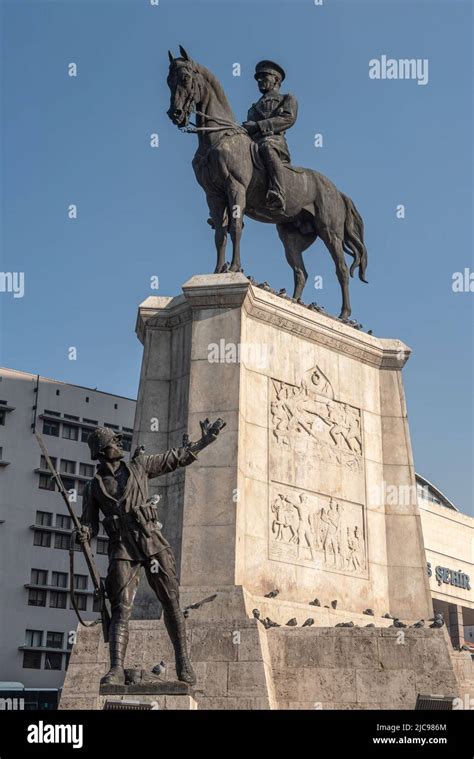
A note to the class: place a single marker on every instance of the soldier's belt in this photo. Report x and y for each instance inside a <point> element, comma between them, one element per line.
<point>114,525</point>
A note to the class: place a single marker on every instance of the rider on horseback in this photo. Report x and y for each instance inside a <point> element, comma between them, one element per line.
<point>267,121</point>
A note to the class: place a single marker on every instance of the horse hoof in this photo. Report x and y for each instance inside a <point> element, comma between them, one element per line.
<point>235,268</point>
<point>344,315</point>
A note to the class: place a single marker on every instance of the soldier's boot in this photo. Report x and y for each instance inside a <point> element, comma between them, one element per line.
<point>275,195</point>
<point>176,627</point>
<point>118,641</point>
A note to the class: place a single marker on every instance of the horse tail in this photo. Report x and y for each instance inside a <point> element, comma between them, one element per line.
<point>354,238</point>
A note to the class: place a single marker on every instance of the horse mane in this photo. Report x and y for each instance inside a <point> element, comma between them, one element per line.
<point>216,85</point>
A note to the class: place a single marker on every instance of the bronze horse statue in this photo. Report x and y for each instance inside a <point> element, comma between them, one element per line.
<point>227,167</point>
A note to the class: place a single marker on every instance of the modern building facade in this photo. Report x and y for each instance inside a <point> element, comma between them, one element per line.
<point>36,617</point>
<point>448,536</point>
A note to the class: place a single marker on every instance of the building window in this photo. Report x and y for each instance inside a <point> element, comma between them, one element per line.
<point>80,582</point>
<point>42,539</point>
<point>1,453</point>
<point>66,660</point>
<point>31,659</point>
<point>85,432</point>
<point>43,464</point>
<point>68,467</point>
<point>44,518</point>
<point>57,599</point>
<point>46,482</point>
<point>101,545</point>
<point>126,443</point>
<point>36,597</point>
<point>59,579</point>
<point>63,522</point>
<point>48,412</point>
<point>80,487</point>
<point>90,421</point>
<point>3,416</point>
<point>111,426</point>
<point>86,470</point>
<point>50,428</point>
<point>54,639</point>
<point>70,432</point>
<point>58,392</point>
<point>52,660</point>
<point>62,541</point>
<point>127,429</point>
<point>39,577</point>
<point>72,417</point>
<point>81,602</point>
<point>34,638</point>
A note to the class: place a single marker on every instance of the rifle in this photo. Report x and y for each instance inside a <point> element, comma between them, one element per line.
<point>86,550</point>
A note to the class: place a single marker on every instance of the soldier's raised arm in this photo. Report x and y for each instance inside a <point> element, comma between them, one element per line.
<point>163,463</point>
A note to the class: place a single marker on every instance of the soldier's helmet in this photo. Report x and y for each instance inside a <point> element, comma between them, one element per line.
<point>100,439</point>
<point>268,67</point>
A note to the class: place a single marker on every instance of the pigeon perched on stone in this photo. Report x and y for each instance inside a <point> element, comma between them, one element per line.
<point>315,602</point>
<point>159,669</point>
<point>398,623</point>
<point>345,624</point>
<point>369,612</point>
<point>371,624</point>
<point>308,622</point>
<point>388,616</point>
<point>420,623</point>
<point>272,594</point>
<point>267,623</point>
<point>256,613</point>
<point>292,622</point>
<point>334,604</point>
<point>438,620</point>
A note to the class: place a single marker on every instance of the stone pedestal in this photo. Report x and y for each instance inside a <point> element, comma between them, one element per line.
<point>310,489</point>
<point>308,492</point>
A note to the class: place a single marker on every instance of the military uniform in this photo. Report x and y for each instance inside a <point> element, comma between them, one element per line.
<point>135,540</point>
<point>273,113</point>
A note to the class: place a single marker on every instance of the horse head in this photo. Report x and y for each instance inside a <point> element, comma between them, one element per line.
<point>184,87</point>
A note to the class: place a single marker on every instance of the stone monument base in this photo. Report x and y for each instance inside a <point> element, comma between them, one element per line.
<point>242,665</point>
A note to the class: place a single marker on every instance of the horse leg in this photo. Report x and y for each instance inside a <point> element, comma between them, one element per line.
<point>295,243</point>
<point>218,211</point>
<point>335,247</point>
<point>236,198</point>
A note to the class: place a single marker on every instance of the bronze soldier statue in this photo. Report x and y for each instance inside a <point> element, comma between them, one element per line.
<point>267,121</point>
<point>120,491</point>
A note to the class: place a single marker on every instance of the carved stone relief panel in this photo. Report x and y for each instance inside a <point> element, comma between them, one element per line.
<point>317,531</point>
<point>307,417</point>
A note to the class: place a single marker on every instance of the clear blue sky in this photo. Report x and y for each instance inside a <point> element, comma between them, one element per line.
<point>85,140</point>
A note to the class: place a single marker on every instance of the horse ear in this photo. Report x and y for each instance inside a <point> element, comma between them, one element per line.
<point>184,53</point>
<point>170,56</point>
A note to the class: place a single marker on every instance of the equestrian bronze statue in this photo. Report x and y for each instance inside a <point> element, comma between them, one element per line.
<point>245,169</point>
